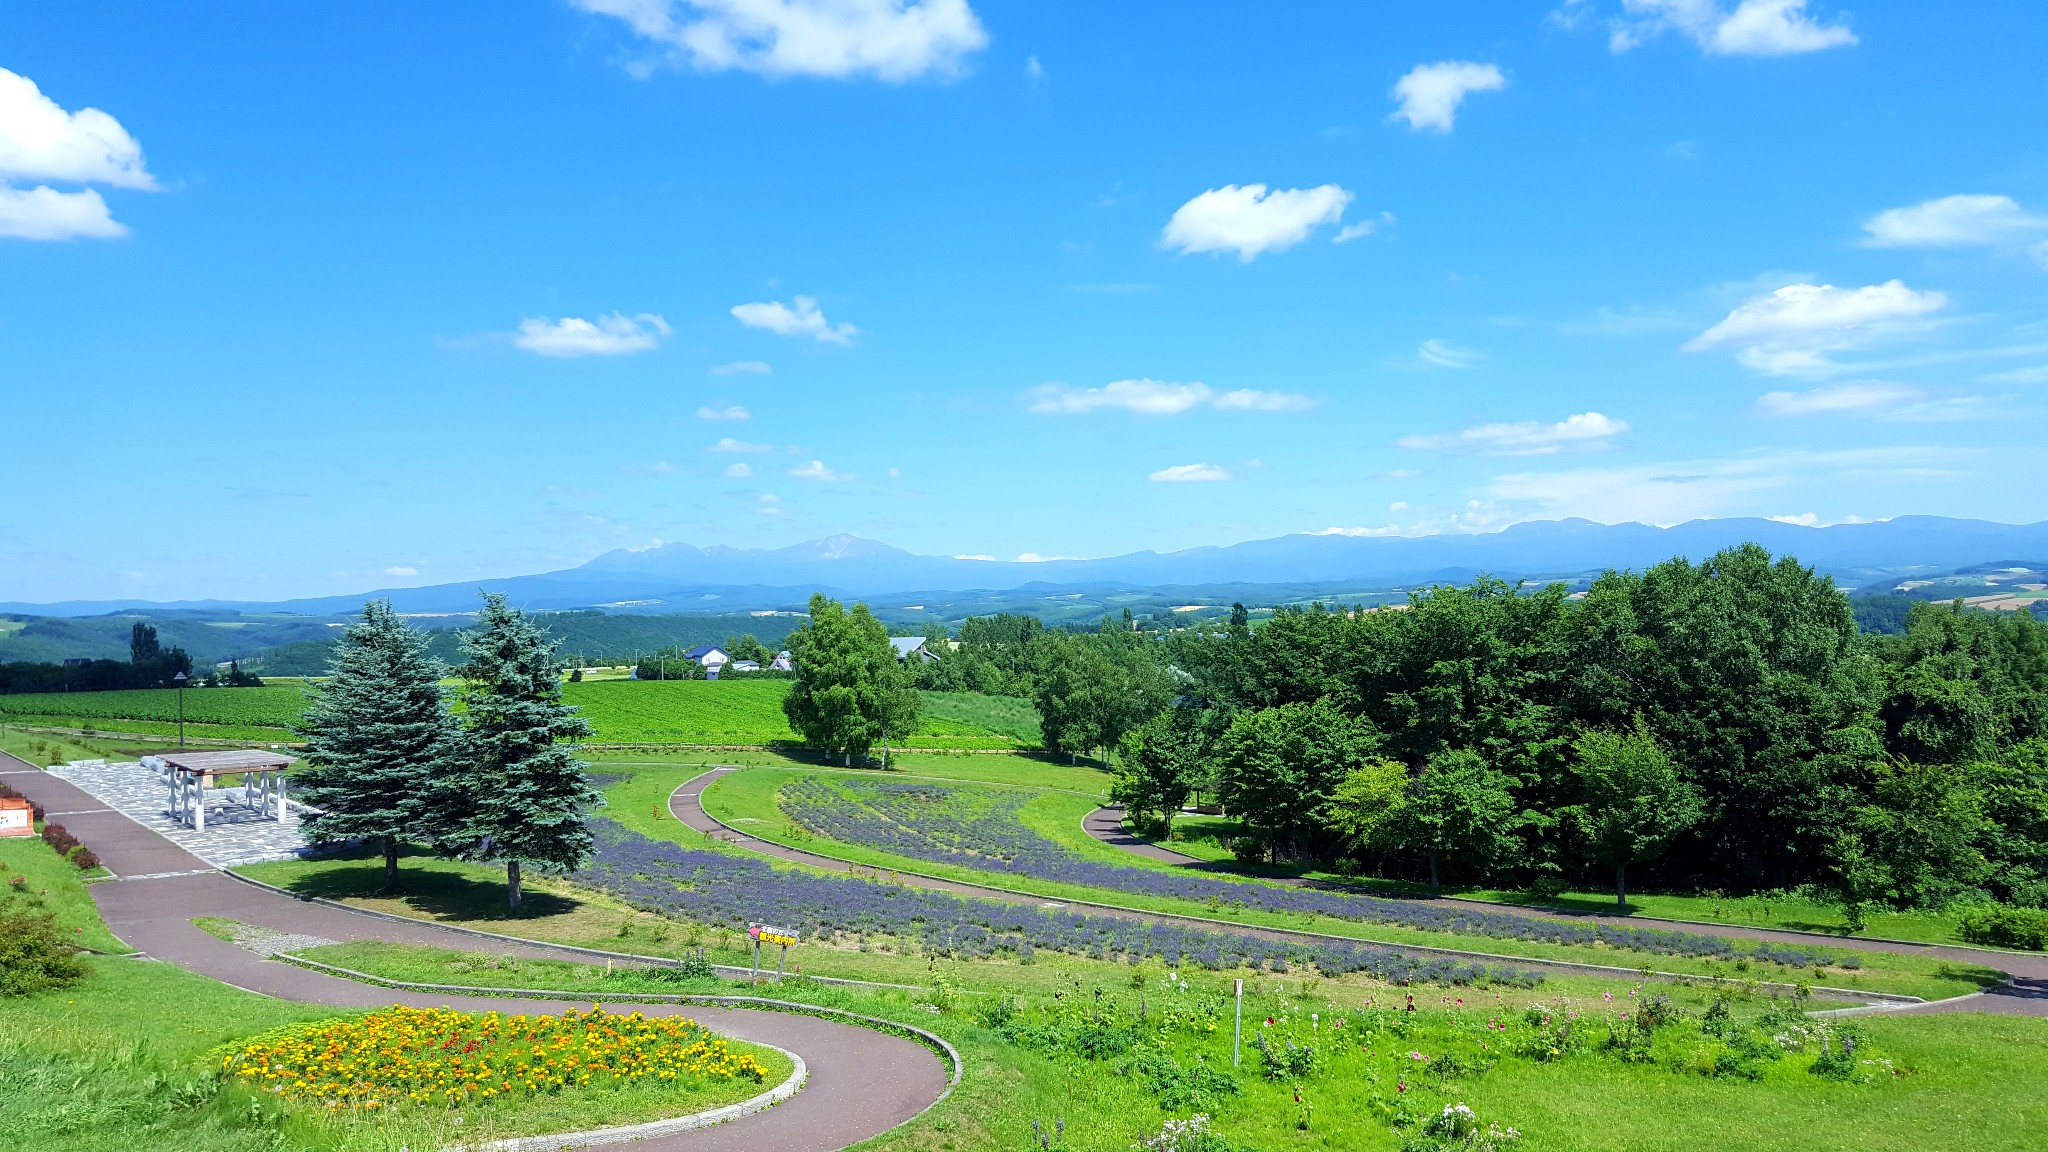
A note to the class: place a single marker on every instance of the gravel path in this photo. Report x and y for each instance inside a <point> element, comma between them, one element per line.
<point>2027,995</point>
<point>862,1083</point>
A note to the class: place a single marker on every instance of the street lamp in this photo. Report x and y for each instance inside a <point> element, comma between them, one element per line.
<point>179,680</point>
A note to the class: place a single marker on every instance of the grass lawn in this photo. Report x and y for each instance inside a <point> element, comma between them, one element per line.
<point>58,887</point>
<point>1962,1081</point>
<point>746,800</point>
<point>1009,716</point>
<point>1203,837</point>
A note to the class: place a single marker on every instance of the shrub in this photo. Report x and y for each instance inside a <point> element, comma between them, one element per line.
<point>59,839</point>
<point>1179,1087</point>
<point>34,956</point>
<point>1457,1128</point>
<point>85,858</point>
<point>2003,926</point>
<point>1287,1060</point>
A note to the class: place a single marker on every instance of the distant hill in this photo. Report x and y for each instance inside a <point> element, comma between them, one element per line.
<point>679,578</point>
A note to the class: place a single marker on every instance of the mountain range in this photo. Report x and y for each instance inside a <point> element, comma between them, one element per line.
<point>683,578</point>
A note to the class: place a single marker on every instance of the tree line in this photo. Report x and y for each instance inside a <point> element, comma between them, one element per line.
<point>388,760</point>
<point>149,665</point>
<point>1722,725</point>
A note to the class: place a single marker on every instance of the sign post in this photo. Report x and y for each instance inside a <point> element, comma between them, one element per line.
<point>1237,1029</point>
<point>768,934</point>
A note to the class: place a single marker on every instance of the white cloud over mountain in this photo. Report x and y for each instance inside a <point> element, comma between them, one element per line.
<point>1586,430</point>
<point>1792,330</point>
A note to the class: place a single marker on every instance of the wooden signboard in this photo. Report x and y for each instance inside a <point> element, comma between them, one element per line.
<point>768,934</point>
<point>17,817</point>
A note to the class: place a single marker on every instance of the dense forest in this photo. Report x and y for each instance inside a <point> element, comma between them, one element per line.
<point>1723,724</point>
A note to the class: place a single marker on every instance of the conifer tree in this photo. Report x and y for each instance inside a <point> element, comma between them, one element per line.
<point>524,794</point>
<point>379,738</point>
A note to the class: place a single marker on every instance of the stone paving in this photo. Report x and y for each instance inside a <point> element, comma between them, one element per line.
<point>235,834</point>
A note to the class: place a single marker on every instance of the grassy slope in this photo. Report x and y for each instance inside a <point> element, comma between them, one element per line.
<point>1024,769</point>
<point>1972,1081</point>
<point>746,801</point>
<point>1203,836</point>
<point>61,889</point>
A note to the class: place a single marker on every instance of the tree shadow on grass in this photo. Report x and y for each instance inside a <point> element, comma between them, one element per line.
<point>429,886</point>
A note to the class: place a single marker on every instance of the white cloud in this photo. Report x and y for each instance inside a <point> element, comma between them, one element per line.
<point>1676,491</point>
<point>742,368</point>
<point>803,320</point>
<point>1188,474</point>
<point>1850,396</point>
<point>1035,558</point>
<point>1950,221</point>
<point>1250,219</point>
<point>1803,519</point>
<point>816,470</point>
<point>723,412</point>
<point>892,40</point>
<point>1444,355</point>
<point>1033,68</point>
<point>739,470</point>
<point>401,570</point>
<point>1586,430</point>
<point>41,141</point>
<point>661,466</point>
<point>1362,228</point>
<point>895,474</point>
<point>975,556</point>
<point>1429,95</point>
<point>1793,329</point>
<point>1388,530</point>
<point>43,213</point>
<point>1253,400</point>
<point>1160,398</point>
<point>729,444</point>
<point>613,335</point>
<point>1753,28</point>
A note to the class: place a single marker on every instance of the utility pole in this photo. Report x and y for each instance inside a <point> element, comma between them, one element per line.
<point>179,680</point>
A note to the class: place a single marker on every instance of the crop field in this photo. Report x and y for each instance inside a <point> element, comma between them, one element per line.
<point>972,836</point>
<point>266,707</point>
<point>620,711</point>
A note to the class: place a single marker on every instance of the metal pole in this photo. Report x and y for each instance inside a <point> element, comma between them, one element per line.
<point>1237,1030</point>
<point>756,975</point>
<point>778,963</point>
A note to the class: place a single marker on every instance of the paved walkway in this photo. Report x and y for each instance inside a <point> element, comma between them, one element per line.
<point>862,1083</point>
<point>2027,996</point>
<point>235,834</point>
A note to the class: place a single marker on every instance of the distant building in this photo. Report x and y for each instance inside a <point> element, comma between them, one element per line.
<point>781,663</point>
<point>745,665</point>
<point>77,661</point>
<point>711,656</point>
<point>910,648</point>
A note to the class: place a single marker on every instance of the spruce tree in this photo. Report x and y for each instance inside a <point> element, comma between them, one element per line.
<point>379,738</point>
<point>524,794</point>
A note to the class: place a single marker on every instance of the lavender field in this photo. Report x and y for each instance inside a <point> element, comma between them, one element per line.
<point>982,828</point>
<point>723,890</point>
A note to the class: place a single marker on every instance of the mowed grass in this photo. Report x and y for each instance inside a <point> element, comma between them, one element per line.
<point>1206,838</point>
<point>1961,1081</point>
<point>746,800</point>
<point>56,886</point>
<point>1036,770</point>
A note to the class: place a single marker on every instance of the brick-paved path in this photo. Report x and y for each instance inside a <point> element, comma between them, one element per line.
<point>235,834</point>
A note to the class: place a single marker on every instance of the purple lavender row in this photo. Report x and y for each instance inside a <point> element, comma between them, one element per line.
<point>722,890</point>
<point>983,829</point>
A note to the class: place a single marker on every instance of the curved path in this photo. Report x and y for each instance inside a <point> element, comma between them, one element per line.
<point>2027,995</point>
<point>862,1082</point>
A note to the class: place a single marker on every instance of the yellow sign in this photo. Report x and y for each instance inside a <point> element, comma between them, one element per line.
<point>768,935</point>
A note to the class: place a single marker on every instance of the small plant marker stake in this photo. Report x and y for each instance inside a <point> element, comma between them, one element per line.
<point>1237,1028</point>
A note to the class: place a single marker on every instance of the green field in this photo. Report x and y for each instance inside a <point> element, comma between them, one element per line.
<point>56,886</point>
<point>734,712</point>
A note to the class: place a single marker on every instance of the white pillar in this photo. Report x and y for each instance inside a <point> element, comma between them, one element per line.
<point>199,801</point>
<point>280,795</point>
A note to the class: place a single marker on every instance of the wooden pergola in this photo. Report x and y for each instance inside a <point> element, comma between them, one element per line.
<point>262,776</point>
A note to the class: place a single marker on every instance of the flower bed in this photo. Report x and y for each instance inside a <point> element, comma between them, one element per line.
<point>983,829</point>
<point>719,889</point>
<point>401,1056</point>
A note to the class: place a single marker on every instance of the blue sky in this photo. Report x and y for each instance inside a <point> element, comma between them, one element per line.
<point>308,299</point>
